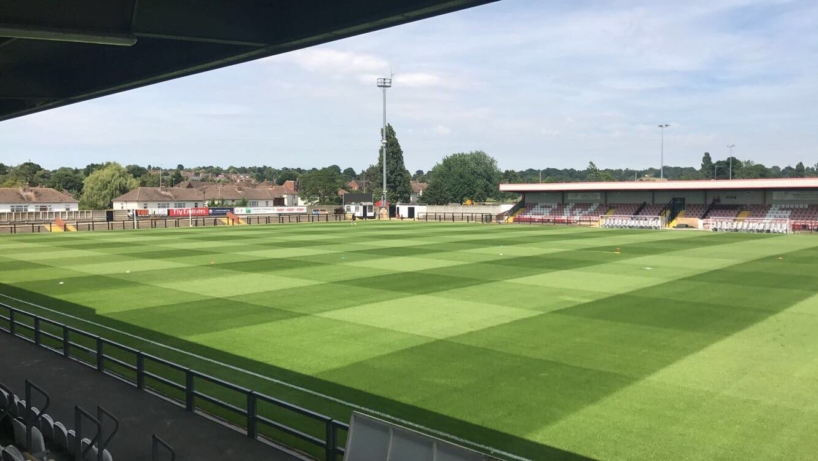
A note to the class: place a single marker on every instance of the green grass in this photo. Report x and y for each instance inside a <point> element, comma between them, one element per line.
<point>540,341</point>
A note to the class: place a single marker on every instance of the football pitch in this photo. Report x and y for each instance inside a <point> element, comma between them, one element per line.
<point>541,341</point>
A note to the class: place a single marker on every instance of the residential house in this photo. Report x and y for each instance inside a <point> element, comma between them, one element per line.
<point>188,196</point>
<point>417,191</point>
<point>25,199</point>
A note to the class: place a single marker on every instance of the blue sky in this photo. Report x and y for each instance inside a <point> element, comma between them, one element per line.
<point>534,83</point>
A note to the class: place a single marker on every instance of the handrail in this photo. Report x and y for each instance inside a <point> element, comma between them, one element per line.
<point>30,419</point>
<point>157,442</point>
<point>18,325</point>
<point>78,414</point>
<point>9,404</point>
<point>103,445</point>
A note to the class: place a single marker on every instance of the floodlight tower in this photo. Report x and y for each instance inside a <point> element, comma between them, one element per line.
<point>384,84</point>
<point>731,146</point>
<point>662,159</point>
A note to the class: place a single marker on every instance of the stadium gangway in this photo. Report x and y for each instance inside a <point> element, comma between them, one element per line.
<point>130,366</point>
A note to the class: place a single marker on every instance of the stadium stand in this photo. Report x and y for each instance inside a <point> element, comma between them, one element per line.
<point>652,210</point>
<point>694,211</point>
<point>723,211</point>
<point>30,433</point>
<point>192,436</point>
<point>561,212</point>
<point>626,209</point>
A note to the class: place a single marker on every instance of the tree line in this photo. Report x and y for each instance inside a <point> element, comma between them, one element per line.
<point>457,178</point>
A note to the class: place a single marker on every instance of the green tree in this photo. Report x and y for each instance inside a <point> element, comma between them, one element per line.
<point>463,176</point>
<point>348,174</point>
<point>800,170</point>
<point>67,180</point>
<point>105,184</point>
<point>286,175</point>
<point>398,187</point>
<point>40,178</point>
<point>24,173</point>
<point>707,166</point>
<point>176,178</point>
<point>90,168</point>
<point>594,174</point>
<point>321,186</point>
<point>136,170</point>
<point>149,179</point>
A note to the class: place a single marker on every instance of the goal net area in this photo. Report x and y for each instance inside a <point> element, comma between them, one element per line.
<point>751,225</point>
<point>632,222</point>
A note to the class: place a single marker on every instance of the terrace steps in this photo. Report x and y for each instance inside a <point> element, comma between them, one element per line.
<point>62,226</point>
<point>676,219</point>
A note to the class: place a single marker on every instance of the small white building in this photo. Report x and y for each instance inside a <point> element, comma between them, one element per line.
<point>35,199</point>
<point>411,210</point>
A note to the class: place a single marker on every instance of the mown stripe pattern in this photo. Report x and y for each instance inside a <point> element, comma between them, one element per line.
<point>682,345</point>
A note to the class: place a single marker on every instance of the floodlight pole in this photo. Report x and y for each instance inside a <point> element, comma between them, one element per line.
<point>384,84</point>
<point>662,158</point>
<point>731,146</point>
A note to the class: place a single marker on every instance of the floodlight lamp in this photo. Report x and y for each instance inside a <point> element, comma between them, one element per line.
<point>384,83</point>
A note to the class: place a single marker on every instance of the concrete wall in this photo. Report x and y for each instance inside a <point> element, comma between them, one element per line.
<point>691,197</point>
<point>630,197</point>
<point>584,197</point>
<point>740,197</point>
<point>791,197</point>
<point>543,197</point>
<point>492,209</point>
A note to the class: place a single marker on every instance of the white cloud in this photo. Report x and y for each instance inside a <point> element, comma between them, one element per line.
<point>418,80</point>
<point>328,60</point>
<point>441,130</point>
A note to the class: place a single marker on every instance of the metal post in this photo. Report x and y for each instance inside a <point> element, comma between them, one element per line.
<point>330,441</point>
<point>252,413</point>
<point>190,397</point>
<point>66,344</point>
<point>140,370</point>
<point>384,84</point>
<point>100,354</point>
<point>731,146</point>
<point>662,160</point>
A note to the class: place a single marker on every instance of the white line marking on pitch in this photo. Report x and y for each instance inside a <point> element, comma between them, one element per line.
<point>283,383</point>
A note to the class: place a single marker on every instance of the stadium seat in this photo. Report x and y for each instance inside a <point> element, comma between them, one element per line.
<point>37,441</point>
<point>11,453</point>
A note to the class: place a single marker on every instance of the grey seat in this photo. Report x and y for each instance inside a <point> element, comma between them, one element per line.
<point>46,425</point>
<point>37,441</point>
<point>11,453</point>
<point>61,436</point>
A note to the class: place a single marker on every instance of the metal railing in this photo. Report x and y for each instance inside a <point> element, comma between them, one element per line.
<point>484,218</point>
<point>132,366</point>
<point>554,220</point>
<point>162,223</point>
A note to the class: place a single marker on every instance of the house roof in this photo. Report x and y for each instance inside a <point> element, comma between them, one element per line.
<point>736,184</point>
<point>34,195</point>
<point>418,186</point>
<point>160,194</point>
<point>210,192</point>
<point>354,185</point>
<point>289,187</point>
